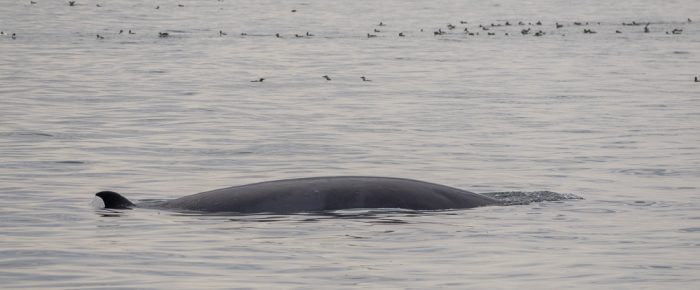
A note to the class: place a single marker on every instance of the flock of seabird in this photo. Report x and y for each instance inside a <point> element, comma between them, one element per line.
<point>490,30</point>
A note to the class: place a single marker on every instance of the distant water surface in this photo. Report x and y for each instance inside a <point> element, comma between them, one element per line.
<point>611,117</point>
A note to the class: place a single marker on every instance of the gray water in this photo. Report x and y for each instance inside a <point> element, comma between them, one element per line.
<point>610,117</point>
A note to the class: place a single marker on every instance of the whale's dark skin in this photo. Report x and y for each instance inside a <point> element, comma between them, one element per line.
<point>317,194</point>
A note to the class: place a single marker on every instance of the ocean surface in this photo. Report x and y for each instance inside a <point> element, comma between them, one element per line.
<point>613,118</point>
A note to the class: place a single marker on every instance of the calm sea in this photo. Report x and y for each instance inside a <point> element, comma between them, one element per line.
<point>611,117</point>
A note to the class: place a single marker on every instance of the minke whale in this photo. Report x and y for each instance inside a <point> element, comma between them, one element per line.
<point>315,194</point>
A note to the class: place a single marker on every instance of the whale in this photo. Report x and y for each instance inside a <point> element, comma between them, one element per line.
<point>315,194</point>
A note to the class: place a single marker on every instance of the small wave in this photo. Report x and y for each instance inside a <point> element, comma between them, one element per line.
<point>527,197</point>
<point>70,162</point>
<point>690,230</point>
<point>649,172</point>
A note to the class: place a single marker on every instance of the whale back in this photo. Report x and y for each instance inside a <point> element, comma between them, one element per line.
<point>330,193</point>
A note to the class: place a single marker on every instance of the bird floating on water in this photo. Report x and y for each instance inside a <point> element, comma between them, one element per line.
<point>221,33</point>
<point>71,3</point>
<point>364,79</point>
<point>260,80</point>
<point>327,77</point>
<point>163,34</point>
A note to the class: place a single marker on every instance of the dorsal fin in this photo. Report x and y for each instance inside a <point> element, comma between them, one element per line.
<point>114,200</point>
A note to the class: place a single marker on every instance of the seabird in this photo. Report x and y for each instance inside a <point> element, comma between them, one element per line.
<point>364,79</point>
<point>371,35</point>
<point>121,31</point>
<point>221,33</point>
<point>696,80</point>
<point>100,37</point>
<point>309,34</point>
<point>401,34</point>
<point>163,34</point>
<point>327,78</point>
<point>131,32</point>
<point>71,3</point>
<point>14,36</point>
<point>277,35</point>
<point>559,25</point>
<point>258,80</point>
